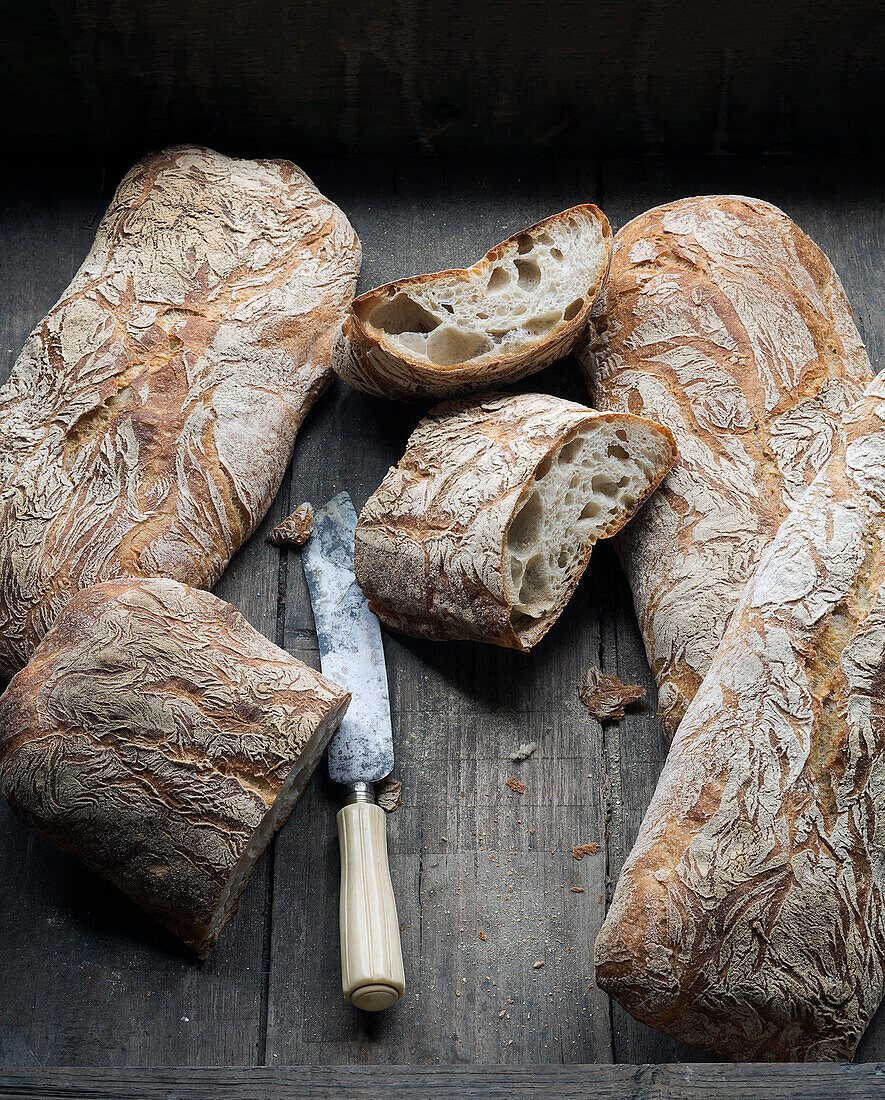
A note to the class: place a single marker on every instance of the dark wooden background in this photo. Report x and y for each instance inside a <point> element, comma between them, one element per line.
<point>538,77</point>
<point>87,979</point>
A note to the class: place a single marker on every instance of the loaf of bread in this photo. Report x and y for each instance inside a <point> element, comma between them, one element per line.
<point>519,308</point>
<point>150,417</point>
<point>163,740</point>
<point>724,321</point>
<point>750,918</point>
<point>484,528</point>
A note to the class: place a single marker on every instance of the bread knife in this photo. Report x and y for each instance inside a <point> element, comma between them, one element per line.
<point>359,755</point>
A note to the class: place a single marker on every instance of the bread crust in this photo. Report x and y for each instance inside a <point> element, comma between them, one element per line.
<point>430,542</point>
<point>364,357</point>
<point>151,415</point>
<point>749,918</point>
<point>723,320</point>
<point>151,733</point>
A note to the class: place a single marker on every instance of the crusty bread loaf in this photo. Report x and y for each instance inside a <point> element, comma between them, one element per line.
<point>163,740</point>
<point>515,311</point>
<point>150,417</point>
<point>750,916</point>
<point>722,320</point>
<point>484,528</point>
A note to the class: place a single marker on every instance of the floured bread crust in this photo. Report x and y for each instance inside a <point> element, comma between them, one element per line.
<point>722,320</point>
<point>485,527</point>
<point>518,309</point>
<point>159,737</point>
<point>151,415</point>
<point>749,918</point>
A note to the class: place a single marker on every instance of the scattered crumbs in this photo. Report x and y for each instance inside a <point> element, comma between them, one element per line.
<point>516,784</point>
<point>538,964</point>
<point>295,529</point>
<point>577,889</point>
<point>501,1014</point>
<point>581,850</point>
<point>605,696</point>
<point>482,935</point>
<point>444,839</point>
<point>389,794</point>
<point>457,992</point>
<point>524,752</point>
<point>600,899</point>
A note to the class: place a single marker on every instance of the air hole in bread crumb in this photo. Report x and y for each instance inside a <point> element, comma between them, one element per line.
<point>573,310</point>
<point>402,314</point>
<point>614,451</point>
<point>529,274</point>
<point>449,346</point>
<point>524,244</point>
<point>556,254</point>
<point>499,278</point>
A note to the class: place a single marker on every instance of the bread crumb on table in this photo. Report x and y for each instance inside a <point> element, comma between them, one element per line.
<point>605,696</point>
<point>389,794</point>
<point>524,751</point>
<point>538,964</point>
<point>294,530</point>
<point>581,850</point>
<point>516,784</point>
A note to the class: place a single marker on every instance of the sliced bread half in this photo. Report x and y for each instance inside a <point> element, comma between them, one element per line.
<point>522,306</point>
<point>485,527</point>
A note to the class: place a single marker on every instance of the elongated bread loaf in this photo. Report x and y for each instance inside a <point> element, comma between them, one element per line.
<point>485,527</point>
<point>724,321</point>
<point>750,916</point>
<point>163,740</point>
<point>150,417</point>
<point>519,308</point>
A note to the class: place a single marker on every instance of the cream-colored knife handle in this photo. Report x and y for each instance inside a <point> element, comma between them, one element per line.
<point>371,955</point>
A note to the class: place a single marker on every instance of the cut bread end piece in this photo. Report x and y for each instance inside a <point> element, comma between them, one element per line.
<point>518,309</point>
<point>584,491</point>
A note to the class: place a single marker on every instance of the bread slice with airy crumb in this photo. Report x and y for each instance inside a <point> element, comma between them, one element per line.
<point>522,306</point>
<point>485,527</point>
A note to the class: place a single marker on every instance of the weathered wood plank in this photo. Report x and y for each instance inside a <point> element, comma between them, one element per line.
<point>468,855</point>
<point>682,1082</point>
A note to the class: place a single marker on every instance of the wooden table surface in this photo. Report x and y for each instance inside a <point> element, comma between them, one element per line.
<point>483,875</point>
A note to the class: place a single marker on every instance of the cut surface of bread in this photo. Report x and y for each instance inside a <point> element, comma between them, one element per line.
<point>485,527</point>
<point>579,494</point>
<point>515,311</point>
<point>161,739</point>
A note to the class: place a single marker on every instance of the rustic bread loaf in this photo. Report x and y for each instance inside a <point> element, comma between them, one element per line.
<point>518,309</point>
<point>484,528</point>
<point>163,740</point>
<point>724,321</point>
<point>150,417</point>
<point>750,916</point>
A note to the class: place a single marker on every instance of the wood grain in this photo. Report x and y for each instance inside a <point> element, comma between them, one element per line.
<point>90,981</point>
<point>685,1082</point>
